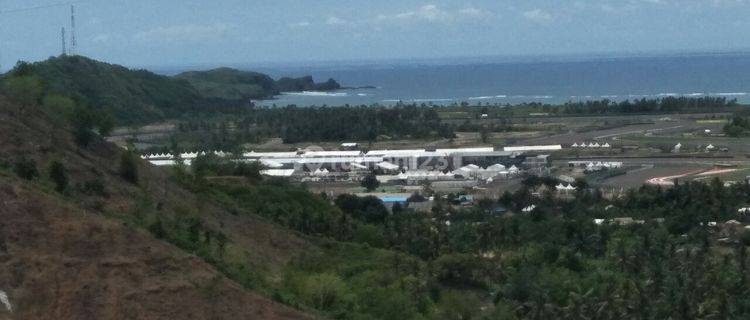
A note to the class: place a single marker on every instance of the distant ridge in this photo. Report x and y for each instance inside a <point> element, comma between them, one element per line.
<point>233,84</point>
<point>141,96</point>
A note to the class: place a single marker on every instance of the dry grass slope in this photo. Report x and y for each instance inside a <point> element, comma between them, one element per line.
<point>61,258</point>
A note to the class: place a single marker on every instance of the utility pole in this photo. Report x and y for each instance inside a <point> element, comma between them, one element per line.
<point>64,50</point>
<point>73,42</point>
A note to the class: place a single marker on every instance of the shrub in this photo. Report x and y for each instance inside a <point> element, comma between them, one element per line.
<point>370,234</point>
<point>26,90</point>
<point>59,175</point>
<point>26,168</point>
<point>4,164</point>
<point>416,197</point>
<point>129,167</point>
<point>94,188</point>
<point>370,182</point>
<point>324,291</point>
<point>157,229</point>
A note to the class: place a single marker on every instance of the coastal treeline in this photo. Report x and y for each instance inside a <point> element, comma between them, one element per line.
<point>294,124</point>
<point>233,127</point>
<point>663,105</point>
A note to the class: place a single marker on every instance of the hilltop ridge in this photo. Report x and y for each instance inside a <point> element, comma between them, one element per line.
<point>141,96</point>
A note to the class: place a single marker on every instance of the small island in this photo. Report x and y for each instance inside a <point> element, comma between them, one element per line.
<point>233,84</point>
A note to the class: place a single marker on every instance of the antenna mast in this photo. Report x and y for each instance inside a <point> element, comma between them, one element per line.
<point>73,42</point>
<point>64,51</point>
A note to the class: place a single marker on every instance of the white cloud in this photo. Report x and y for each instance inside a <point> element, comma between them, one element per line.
<point>727,3</point>
<point>335,21</point>
<point>431,12</point>
<point>538,16</point>
<point>428,12</point>
<point>434,13</point>
<point>473,12</point>
<point>100,38</point>
<point>301,24</point>
<point>184,33</point>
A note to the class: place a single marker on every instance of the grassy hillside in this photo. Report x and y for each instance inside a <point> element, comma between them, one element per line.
<point>231,84</point>
<point>133,96</point>
<point>86,251</point>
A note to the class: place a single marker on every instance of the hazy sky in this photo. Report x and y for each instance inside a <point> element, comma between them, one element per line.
<point>180,32</point>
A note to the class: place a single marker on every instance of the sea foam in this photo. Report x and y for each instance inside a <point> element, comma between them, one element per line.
<point>317,94</point>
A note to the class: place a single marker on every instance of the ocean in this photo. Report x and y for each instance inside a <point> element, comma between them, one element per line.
<point>509,81</point>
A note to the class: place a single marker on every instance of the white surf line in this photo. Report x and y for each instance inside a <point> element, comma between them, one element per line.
<point>4,299</point>
<point>636,131</point>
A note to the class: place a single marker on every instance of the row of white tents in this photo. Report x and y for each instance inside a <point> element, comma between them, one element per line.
<point>565,187</point>
<point>598,166</point>
<point>477,172</point>
<point>186,155</point>
<point>591,145</point>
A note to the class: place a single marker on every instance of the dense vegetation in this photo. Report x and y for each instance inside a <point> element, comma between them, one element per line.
<point>403,121</point>
<point>664,105</point>
<point>28,90</point>
<point>466,263</point>
<point>132,96</point>
<point>294,124</point>
<point>739,126</point>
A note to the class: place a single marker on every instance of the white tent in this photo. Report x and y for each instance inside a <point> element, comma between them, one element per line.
<point>513,169</point>
<point>606,145</point>
<point>271,164</point>
<point>469,169</point>
<point>278,172</point>
<point>575,145</point>
<point>357,166</point>
<point>529,208</point>
<point>320,172</point>
<point>496,167</point>
<point>387,166</point>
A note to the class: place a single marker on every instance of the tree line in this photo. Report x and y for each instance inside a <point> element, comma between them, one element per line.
<point>551,263</point>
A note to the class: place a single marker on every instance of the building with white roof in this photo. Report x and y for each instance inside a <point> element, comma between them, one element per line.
<point>555,147</point>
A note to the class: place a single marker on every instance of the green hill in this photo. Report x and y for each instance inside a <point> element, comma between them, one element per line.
<point>141,96</point>
<point>232,84</point>
<point>306,84</point>
<point>133,96</point>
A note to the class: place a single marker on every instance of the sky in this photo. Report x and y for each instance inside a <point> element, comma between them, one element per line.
<point>215,32</point>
